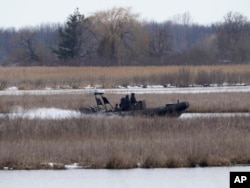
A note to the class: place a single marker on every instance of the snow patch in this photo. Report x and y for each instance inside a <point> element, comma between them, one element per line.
<point>212,115</point>
<point>152,89</point>
<point>56,113</point>
<point>73,166</point>
<point>43,113</point>
<point>12,89</point>
<point>155,86</point>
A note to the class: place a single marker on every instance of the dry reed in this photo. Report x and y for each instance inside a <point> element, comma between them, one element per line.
<point>108,77</point>
<point>128,142</point>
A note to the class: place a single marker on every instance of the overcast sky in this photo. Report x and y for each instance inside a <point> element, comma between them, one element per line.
<point>20,13</point>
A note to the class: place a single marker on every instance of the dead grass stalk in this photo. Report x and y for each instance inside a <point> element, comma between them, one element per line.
<point>108,77</point>
<point>124,142</point>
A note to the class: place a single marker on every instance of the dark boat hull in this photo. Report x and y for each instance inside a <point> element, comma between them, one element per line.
<point>170,110</point>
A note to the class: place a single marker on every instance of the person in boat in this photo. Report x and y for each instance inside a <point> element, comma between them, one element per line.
<point>125,103</point>
<point>133,99</point>
<point>122,103</point>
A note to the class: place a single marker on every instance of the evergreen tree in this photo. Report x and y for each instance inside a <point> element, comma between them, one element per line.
<point>70,37</point>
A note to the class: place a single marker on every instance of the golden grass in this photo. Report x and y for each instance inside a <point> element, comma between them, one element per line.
<point>126,142</point>
<point>129,142</point>
<point>75,77</point>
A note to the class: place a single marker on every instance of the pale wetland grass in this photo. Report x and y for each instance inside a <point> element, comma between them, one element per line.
<point>123,142</point>
<point>108,77</point>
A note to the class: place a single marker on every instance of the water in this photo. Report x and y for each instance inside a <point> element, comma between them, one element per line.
<point>214,177</point>
<point>56,113</point>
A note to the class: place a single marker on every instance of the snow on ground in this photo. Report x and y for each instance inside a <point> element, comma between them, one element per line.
<point>42,113</point>
<point>211,177</point>
<point>212,115</point>
<point>155,89</point>
<point>49,113</point>
<point>57,113</point>
<point>170,90</point>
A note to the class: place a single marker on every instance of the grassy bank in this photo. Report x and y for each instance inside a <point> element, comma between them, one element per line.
<point>129,142</point>
<point>108,77</point>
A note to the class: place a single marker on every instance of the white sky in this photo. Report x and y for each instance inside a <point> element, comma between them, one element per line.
<point>20,13</point>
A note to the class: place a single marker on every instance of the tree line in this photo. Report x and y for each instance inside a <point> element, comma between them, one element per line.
<point>117,37</point>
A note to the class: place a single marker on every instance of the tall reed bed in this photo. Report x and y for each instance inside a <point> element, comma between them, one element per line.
<point>129,142</point>
<point>108,77</point>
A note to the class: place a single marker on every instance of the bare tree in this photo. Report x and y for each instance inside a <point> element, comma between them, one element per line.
<point>231,35</point>
<point>160,41</point>
<point>117,31</point>
<point>5,46</point>
<point>24,47</point>
<point>183,24</point>
<point>183,19</point>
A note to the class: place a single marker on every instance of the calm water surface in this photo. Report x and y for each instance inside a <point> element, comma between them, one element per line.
<point>216,177</point>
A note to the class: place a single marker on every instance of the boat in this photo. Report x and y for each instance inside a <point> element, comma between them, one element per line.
<point>131,107</point>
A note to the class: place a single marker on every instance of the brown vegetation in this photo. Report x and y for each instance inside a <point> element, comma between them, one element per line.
<point>124,142</point>
<point>129,142</point>
<point>108,77</point>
